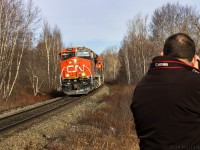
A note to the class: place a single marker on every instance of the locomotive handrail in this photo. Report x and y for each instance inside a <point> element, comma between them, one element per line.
<point>61,75</point>
<point>89,72</point>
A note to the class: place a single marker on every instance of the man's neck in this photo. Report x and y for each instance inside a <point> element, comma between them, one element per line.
<point>186,61</point>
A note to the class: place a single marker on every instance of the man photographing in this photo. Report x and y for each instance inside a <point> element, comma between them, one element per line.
<point>166,102</point>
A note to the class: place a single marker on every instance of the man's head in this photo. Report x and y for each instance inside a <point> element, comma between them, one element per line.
<point>180,46</point>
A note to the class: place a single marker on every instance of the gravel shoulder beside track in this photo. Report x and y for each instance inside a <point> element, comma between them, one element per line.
<point>36,137</point>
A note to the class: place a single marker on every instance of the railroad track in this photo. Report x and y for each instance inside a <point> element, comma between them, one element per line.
<point>12,121</point>
<point>19,118</point>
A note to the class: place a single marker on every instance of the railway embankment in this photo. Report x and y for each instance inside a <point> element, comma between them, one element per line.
<point>101,121</point>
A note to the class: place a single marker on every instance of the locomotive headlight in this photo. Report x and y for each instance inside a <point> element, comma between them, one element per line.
<point>75,60</point>
<point>70,62</point>
<point>67,75</point>
<point>83,74</point>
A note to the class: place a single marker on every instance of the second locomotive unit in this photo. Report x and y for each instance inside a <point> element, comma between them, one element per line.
<point>81,70</point>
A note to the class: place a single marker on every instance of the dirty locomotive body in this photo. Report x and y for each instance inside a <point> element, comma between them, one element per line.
<point>81,70</point>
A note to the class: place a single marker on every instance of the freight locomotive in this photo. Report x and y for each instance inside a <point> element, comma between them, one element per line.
<point>81,70</point>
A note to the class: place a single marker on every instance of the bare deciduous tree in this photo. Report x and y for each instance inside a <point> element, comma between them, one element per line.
<point>140,43</point>
<point>136,50</point>
<point>15,27</point>
<point>49,47</point>
<point>111,63</point>
<point>173,18</point>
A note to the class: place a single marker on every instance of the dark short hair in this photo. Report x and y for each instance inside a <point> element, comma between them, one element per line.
<point>179,45</point>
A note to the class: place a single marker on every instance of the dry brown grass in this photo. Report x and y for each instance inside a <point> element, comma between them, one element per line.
<point>108,127</point>
<point>22,101</point>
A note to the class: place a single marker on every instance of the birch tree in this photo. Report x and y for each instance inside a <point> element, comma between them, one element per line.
<point>16,20</point>
<point>49,47</point>
<point>111,63</point>
<point>136,49</point>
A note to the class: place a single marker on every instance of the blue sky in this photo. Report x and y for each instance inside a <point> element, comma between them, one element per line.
<point>97,24</point>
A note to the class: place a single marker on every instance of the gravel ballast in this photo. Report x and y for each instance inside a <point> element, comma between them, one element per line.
<point>36,137</point>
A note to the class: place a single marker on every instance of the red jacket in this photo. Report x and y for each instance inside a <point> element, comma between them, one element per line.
<point>166,106</point>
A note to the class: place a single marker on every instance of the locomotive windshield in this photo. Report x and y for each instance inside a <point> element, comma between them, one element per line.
<point>83,54</point>
<point>67,55</point>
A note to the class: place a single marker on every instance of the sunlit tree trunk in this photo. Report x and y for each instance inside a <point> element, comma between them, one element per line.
<point>15,27</point>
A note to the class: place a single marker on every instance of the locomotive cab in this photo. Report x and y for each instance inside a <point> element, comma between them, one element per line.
<point>79,70</point>
<point>67,55</point>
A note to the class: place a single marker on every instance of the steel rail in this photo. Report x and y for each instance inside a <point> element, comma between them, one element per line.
<point>24,117</point>
<point>19,118</point>
<point>35,107</point>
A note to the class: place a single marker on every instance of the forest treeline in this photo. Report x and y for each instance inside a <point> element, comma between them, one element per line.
<point>27,66</point>
<point>30,66</point>
<point>145,39</point>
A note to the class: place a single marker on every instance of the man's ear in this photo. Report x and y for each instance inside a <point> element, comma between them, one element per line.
<point>195,62</point>
<point>161,53</point>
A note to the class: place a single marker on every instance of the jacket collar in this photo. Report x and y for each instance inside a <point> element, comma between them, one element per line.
<point>166,62</point>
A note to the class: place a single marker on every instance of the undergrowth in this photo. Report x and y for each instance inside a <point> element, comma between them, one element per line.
<point>108,127</point>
